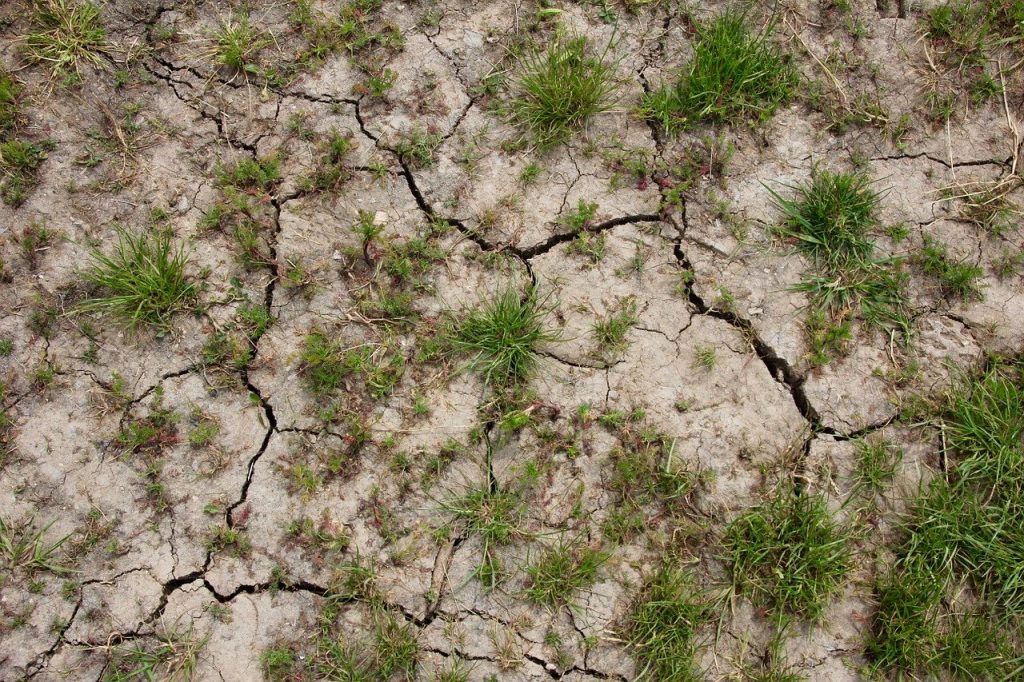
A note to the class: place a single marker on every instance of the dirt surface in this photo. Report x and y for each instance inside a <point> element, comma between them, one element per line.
<point>201,536</point>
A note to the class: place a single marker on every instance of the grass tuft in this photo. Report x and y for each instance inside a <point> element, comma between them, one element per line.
<point>954,594</point>
<point>664,627</point>
<point>502,336</point>
<point>66,34</point>
<point>562,571</point>
<point>831,219</point>
<point>560,88</point>
<point>143,280</point>
<point>788,555</point>
<point>735,75</point>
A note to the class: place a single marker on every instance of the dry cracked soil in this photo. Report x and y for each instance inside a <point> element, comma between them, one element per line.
<point>301,473</point>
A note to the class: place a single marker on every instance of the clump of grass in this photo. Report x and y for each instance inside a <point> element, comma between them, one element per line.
<point>956,278</point>
<point>877,460</point>
<point>143,281</point>
<point>327,362</point>
<point>10,111</point>
<point>665,624</point>
<point>830,220</point>
<point>735,75</point>
<point>23,547</point>
<point>788,554</point>
<point>562,571</point>
<point>502,335</point>
<point>610,331</point>
<point>831,217</point>
<point>560,88</point>
<point>237,44</point>
<point>65,35</point>
<point>496,517</point>
<point>173,656</point>
<point>252,174</point>
<point>950,600</point>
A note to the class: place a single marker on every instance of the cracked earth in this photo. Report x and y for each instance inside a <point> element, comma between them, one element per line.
<point>215,552</point>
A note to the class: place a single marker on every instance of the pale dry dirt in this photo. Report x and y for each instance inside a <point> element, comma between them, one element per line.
<point>702,277</point>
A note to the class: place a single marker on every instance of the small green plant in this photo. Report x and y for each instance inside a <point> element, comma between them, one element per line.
<point>956,278</point>
<point>143,282</point>
<point>172,656</point>
<point>581,218</point>
<point>23,547</point>
<point>252,174</point>
<point>563,570</point>
<point>559,88</point>
<point>610,332</point>
<point>734,75</point>
<point>333,171</point>
<point>664,628</point>
<point>65,35</point>
<point>418,146</point>
<point>788,554</point>
<point>237,43</point>
<point>704,357</point>
<point>501,336</point>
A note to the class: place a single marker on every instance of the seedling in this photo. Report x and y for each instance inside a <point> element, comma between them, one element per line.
<point>610,332</point>
<point>560,88</point>
<point>24,548</point>
<point>788,555</point>
<point>956,278</point>
<point>734,75</point>
<point>502,335</point>
<point>142,282</point>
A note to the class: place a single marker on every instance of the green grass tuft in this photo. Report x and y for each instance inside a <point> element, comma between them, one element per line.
<point>789,555</point>
<point>502,336</point>
<point>664,627</point>
<point>951,600</point>
<point>143,280</point>
<point>562,571</point>
<point>830,219</point>
<point>560,88</point>
<point>735,75</point>
<point>65,35</point>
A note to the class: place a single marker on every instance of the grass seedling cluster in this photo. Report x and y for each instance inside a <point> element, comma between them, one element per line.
<point>142,282</point>
<point>559,88</point>
<point>951,601</point>
<point>736,74</point>
<point>788,555</point>
<point>830,219</point>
